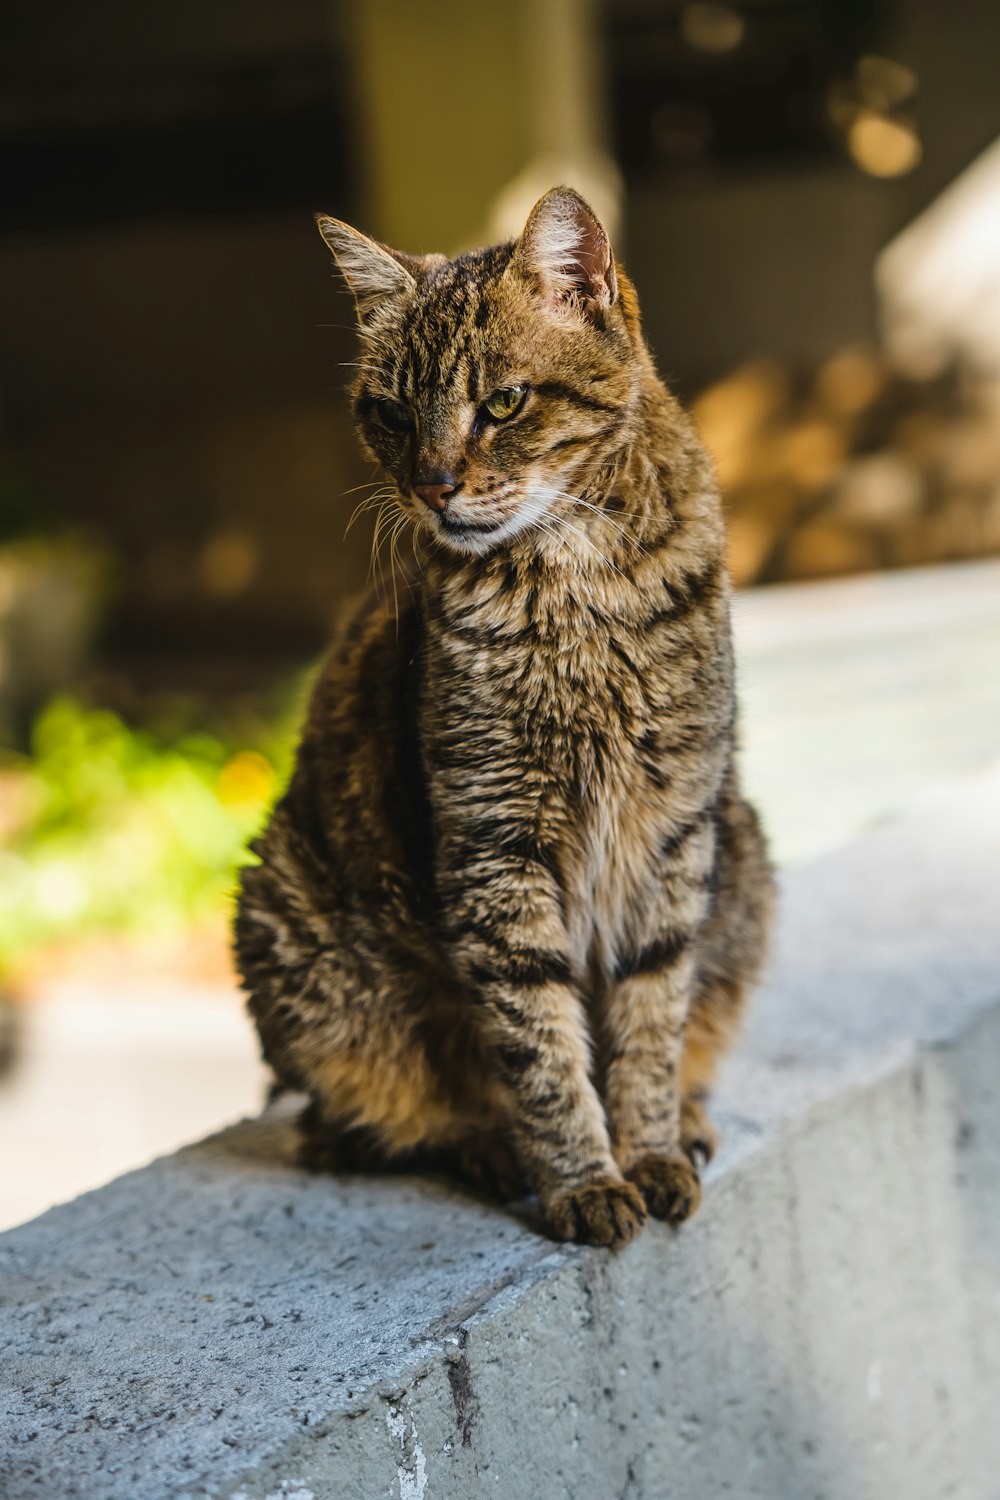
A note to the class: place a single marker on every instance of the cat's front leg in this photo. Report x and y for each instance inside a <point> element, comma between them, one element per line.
<point>646,1013</point>
<point>509,943</point>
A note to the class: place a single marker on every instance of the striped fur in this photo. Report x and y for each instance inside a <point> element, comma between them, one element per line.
<point>507,912</point>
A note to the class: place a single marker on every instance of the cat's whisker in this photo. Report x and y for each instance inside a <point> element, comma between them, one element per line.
<point>378,536</point>
<point>384,525</point>
<point>563,521</point>
<point>549,524</point>
<point>400,523</point>
<point>371,554</point>
<point>385,492</point>
<point>608,562</point>
<point>366,485</point>
<point>612,521</point>
<point>369,503</point>
<point>344,327</point>
<point>371,335</point>
<point>554,535</point>
<point>619,530</point>
<point>359,510</point>
<point>387,540</point>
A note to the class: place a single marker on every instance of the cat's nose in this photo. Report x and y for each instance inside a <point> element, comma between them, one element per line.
<point>435,490</point>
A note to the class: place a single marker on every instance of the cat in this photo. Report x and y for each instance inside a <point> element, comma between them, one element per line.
<point>507,912</point>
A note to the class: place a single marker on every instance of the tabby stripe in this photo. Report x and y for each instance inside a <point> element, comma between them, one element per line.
<point>489,838</point>
<point>485,635</point>
<point>658,771</point>
<point>511,1010</point>
<point>517,1058</point>
<point>548,1101</point>
<point>618,701</point>
<point>472,864</point>
<point>548,1124</point>
<point>694,739</point>
<point>658,955</point>
<point>492,931</point>
<point>525,968</point>
<point>569,442</point>
<point>599,750</point>
<point>676,841</point>
<point>657,543</point>
<point>692,591</point>
<point>623,656</point>
<point>600,436</point>
<point>560,392</point>
<point>446,373</point>
<point>403,369</point>
<point>510,579</point>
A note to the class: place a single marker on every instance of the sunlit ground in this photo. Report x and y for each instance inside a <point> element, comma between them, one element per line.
<point>861,694</point>
<point>858,697</point>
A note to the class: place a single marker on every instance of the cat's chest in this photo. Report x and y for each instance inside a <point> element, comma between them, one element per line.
<point>563,732</point>
<point>609,857</point>
<point>590,729</point>
<point>581,709</point>
<point>618,729</point>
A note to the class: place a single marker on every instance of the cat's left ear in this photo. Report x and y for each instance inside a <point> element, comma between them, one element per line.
<point>372,271</point>
<point>565,251</point>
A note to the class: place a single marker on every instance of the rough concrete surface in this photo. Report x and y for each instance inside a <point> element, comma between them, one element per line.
<point>827,1328</point>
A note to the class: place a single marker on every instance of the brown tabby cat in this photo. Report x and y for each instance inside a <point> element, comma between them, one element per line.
<point>508,909</point>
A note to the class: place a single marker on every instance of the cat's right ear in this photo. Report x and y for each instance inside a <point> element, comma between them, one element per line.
<point>565,253</point>
<point>372,271</point>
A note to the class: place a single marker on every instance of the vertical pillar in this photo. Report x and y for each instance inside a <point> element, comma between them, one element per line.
<point>468,112</point>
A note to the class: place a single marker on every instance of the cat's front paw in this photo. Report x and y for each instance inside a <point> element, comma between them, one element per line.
<point>670,1186</point>
<point>607,1212</point>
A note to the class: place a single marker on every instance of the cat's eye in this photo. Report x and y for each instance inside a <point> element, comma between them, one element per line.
<point>394,415</point>
<point>505,403</point>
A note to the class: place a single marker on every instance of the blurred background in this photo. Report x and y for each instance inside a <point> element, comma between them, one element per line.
<point>807,194</point>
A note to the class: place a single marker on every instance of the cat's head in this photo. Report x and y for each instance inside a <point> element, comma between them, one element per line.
<point>495,388</point>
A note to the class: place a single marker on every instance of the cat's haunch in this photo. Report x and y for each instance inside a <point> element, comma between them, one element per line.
<point>507,912</point>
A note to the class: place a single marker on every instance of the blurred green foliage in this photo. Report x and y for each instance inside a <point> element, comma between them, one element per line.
<point>106,827</point>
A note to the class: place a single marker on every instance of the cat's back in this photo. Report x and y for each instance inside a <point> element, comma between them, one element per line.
<point>352,821</point>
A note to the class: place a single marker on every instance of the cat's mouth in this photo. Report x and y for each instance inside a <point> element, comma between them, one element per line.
<point>467,534</point>
<point>453,526</point>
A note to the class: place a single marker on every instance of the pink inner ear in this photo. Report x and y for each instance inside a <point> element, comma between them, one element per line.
<point>596,262</point>
<point>570,254</point>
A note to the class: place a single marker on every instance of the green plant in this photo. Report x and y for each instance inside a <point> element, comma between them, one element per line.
<point>115,828</point>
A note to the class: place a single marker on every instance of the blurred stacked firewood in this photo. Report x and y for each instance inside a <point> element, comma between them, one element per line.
<point>853,467</point>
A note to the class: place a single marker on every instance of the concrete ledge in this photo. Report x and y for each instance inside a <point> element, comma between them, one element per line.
<point>218,1324</point>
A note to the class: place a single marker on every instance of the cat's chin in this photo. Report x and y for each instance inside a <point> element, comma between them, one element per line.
<point>477,538</point>
<point>469,537</point>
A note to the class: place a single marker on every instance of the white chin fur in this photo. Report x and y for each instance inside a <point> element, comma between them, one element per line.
<point>478,543</point>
